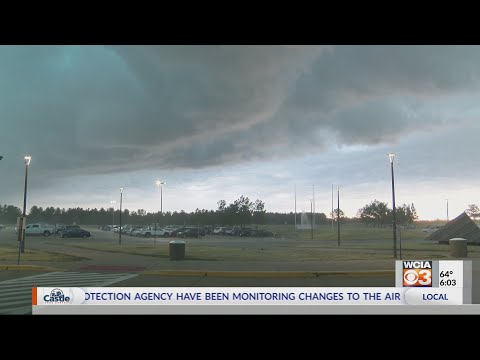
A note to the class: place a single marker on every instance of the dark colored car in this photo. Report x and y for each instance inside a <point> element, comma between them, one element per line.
<point>75,233</point>
<point>245,232</point>
<point>175,231</point>
<point>260,233</point>
<point>189,232</point>
<point>64,228</point>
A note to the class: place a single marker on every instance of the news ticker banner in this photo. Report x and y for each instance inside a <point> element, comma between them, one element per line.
<point>418,282</point>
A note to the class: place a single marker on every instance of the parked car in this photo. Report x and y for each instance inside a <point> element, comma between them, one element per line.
<point>38,229</point>
<point>260,233</point>
<point>232,231</point>
<point>149,232</point>
<point>188,232</point>
<point>245,232</point>
<point>66,228</point>
<point>219,230</point>
<point>76,233</point>
<point>175,232</point>
<point>134,230</point>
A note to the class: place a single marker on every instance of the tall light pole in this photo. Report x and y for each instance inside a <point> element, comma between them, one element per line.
<point>447,211</point>
<point>113,202</point>
<point>311,210</point>
<point>120,229</point>
<point>295,189</point>
<point>338,215</point>
<point>27,162</point>
<point>332,207</point>
<point>160,185</point>
<point>391,156</point>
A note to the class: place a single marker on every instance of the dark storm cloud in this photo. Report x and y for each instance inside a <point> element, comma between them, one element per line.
<point>93,109</point>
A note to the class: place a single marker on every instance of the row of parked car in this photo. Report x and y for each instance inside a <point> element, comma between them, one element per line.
<point>185,231</point>
<point>237,231</point>
<point>152,231</point>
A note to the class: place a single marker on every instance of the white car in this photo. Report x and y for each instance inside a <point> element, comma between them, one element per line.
<point>149,232</point>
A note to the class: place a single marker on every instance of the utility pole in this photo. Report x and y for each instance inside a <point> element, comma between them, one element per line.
<point>338,214</point>
<point>295,186</point>
<point>313,212</point>
<point>332,207</point>
<point>447,211</point>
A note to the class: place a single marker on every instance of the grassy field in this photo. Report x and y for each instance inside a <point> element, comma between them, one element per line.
<point>271,253</point>
<point>10,253</point>
<point>357,243</point>
<point>347,232</point>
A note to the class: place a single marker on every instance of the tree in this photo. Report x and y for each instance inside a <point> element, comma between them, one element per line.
<point>244,209</point>
<point>473,211</point>
<point>259,212</point>
<point>414,213</point>
<point>222,205</point>
<point>9,214</point>
<point>335,214</point>
<point>35,214</point>
<point>376,213</point>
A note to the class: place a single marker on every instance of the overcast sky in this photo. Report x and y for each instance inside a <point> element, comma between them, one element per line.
<point>218,122</point>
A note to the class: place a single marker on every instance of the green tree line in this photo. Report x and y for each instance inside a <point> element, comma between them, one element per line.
<point>241,212</point>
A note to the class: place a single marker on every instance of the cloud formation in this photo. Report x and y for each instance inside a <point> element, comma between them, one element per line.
<point>88,110</point>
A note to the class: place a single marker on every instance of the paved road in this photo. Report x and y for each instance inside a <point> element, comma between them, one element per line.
<point>16,293</point>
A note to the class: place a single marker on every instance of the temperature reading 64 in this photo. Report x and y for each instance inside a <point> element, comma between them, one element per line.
<point>446,273</point>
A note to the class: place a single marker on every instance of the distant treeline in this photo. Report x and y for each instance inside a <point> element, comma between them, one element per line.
<point>241,212</point>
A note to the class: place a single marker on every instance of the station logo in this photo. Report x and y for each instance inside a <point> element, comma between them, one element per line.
<point>56,296</point>
<point>417,273</point>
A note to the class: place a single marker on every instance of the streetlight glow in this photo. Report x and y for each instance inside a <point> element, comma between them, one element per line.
<point>27,160</point>
<point>391,156</point>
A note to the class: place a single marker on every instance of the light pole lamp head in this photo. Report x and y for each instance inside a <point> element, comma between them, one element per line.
<point>160,183</point>
<point>391,156</point>
<point>121,190</point>
<point>27,160</point>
